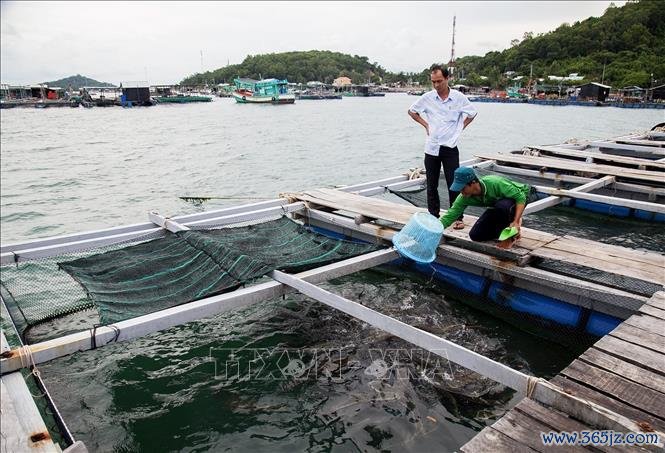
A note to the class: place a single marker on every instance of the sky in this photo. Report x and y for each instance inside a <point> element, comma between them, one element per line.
<point>164,42</point>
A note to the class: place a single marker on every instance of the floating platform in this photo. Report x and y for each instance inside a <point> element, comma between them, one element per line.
<point>623,372</point>
<point>618,384</point>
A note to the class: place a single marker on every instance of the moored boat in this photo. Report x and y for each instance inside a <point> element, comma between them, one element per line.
<point>266,91</point>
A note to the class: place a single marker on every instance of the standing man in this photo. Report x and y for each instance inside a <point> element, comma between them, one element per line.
<point>444,113</point>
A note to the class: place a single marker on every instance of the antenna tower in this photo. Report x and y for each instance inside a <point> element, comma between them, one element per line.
<point>451,63</point>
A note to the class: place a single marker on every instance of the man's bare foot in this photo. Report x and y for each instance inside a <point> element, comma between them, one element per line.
<point>508,243</point>
<point>458,225</point>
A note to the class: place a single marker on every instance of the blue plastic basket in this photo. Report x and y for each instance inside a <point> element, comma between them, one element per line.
<point>419,238</point>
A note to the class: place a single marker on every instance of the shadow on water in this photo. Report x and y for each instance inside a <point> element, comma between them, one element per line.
<point>295,375</point>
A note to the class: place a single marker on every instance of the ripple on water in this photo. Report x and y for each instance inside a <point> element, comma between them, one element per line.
<point>20,216</point>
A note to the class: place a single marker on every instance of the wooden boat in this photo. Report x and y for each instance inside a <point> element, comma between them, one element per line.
<point>265,91</point>
<point>181,99</point>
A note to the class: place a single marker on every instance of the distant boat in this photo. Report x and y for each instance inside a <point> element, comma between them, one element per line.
<point>317,95</point>
<point>181,99</point>
<point>266,91</point>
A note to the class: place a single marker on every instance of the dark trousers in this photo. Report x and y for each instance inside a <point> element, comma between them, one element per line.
<point>489,225</point>
<point>449,158</point>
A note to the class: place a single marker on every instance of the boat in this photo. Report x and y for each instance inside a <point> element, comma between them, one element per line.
<point>317,95</point>
<point>265,91</point>
<point>181,99</point>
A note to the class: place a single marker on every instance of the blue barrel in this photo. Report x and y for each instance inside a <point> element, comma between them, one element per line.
<point>601,324</point>
<point>535,304</point>
<point>463,280</point>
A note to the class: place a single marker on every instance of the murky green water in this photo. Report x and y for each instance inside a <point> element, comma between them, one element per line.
<point>282,375</point>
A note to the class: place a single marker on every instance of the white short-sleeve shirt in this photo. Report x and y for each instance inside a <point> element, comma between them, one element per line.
<point>445,118</point>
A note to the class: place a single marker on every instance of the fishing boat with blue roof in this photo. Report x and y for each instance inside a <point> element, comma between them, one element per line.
<point>265,91</point>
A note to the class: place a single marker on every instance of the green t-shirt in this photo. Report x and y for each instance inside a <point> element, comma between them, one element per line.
<point>494,189</point>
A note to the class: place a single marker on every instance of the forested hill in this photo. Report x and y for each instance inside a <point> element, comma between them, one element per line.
<point>629,41</point>
<point>299,67</point>
<point>77,81</point>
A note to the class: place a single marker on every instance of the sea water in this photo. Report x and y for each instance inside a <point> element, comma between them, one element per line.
<point>282,375</point>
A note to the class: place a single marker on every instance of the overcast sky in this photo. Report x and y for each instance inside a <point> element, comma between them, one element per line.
<point>162,42</point>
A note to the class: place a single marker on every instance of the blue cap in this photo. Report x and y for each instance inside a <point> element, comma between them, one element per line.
<point>463,176</point>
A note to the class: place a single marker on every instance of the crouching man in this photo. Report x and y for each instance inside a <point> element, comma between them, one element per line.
<point>505,199</point>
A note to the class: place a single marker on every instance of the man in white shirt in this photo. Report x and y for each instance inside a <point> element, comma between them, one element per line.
<point>444,113</point>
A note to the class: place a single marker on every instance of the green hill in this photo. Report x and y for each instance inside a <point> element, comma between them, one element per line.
<point>77,81</point>
<point>627,42</point>
<point>297,67</point>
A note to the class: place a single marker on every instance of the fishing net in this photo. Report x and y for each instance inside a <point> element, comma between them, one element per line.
<point>160,273</point>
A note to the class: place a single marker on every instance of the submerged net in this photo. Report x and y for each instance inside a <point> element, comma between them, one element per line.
<point>174,269</point>
<point>563,220</point>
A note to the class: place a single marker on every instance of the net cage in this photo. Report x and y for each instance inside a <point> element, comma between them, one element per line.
<point>163,269</point>
<point>499,300</point>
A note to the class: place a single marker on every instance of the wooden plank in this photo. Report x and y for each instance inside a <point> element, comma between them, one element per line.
<point>490,440</point>
<point>650,324</point>
<point>86,244</point>
<point>526,430</point>
<point>582,391</point>
<point>636,161</point>
<point>632,353</point>
<point>571,243</point>
<point>400,214</point>
<point>657,300</point>
<point>558,421</point>
<point>546,162</point>
<point>556,177</point>
<point>166,223</point>
<point>642,272</point>
<point>369,207</point>
<point>639,337</point>
<point>627,370</point>
<point>638,395</point>
<point>653,311</point>
<point>645,150</point>
<point>21,418</point>
<point>634,141</point>
<point>55,240</point>
<point>605,199</point>
<point>554,200</point>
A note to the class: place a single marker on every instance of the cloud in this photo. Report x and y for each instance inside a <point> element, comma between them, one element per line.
<point>126,40</point>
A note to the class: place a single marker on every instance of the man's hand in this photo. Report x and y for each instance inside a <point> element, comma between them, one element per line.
<point>419,119</point>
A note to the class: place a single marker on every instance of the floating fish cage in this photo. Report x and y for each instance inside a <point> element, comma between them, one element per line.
<point>129,281</point>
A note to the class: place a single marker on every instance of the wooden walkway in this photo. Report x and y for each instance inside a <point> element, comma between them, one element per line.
<point>645,176</point>
<point>645,266</point>
<point>591,157</point>
<point>623,372</point>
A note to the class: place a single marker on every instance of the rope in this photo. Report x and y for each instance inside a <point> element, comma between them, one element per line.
<point>531,385</point>
<point>93,334</point>
<point>28,361</point>
<point>25,354</point>
<point>413,173</point>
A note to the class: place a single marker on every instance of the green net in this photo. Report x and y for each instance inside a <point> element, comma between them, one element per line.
<point>191,265</point>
